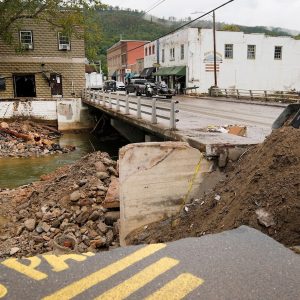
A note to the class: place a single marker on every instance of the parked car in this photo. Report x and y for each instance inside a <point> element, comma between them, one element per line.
<point>120,86</point>
<point>110,86</point>
<point>155,89</point>
<point>135,86</point>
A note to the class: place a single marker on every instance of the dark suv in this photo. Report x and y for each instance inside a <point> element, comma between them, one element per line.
<point>136,86</point>
<point>110,86</point>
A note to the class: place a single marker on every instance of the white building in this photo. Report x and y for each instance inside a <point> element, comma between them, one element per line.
<point>244,61</point>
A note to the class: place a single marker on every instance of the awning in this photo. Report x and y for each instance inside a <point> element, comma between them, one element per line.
<point>176,71</point>
<point>147,72</point>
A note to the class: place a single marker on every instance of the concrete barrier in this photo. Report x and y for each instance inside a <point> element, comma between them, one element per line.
<point>156,179</point>
<point>66,113</point>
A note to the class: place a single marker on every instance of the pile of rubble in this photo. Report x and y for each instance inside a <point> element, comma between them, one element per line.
<point>262,190</point>
<point>25,139</point>
<point>74,208</point>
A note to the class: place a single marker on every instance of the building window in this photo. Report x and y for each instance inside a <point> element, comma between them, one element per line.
<point>26,39</point>
<point>229,51</point>
<point>251,51</point>
<point>278,52</point>
<point>24,85</point>
<point>163,55</point>
<point>182,51</point>
<point>153,49</point>
<point>63,42</point>
<point>172,54</point>
<point>146,51</point>
<point>150,50</point>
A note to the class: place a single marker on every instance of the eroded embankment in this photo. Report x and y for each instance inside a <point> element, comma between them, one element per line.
<point>262,190</point>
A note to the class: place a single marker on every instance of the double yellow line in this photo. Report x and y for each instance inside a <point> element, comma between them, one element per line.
<point>177,288</point>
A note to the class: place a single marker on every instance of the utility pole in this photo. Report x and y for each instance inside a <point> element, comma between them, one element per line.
<point>215,48</point>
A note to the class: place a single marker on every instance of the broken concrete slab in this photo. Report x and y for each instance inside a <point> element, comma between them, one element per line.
<point>156,179</point>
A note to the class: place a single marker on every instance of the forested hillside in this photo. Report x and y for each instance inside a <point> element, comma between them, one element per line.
<point>125,25</point>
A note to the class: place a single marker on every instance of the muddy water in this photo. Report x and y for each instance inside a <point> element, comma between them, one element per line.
<point>15,172</point>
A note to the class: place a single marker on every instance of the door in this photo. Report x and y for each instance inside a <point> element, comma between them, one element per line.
<point>56,84</point>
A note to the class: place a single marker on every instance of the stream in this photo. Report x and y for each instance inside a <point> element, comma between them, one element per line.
<point>15,172</point>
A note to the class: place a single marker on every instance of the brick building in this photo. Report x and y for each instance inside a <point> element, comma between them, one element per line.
<point>125,58</point>
<point>49,65</point>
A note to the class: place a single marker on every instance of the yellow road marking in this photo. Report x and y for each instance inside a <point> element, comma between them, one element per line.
<point>24,269</point>
<point>3,290</point>
<point>89,254</point>
<point>177,288</point>
<point>58,262</point>
<point>83,284</point>
<point>137,281</point>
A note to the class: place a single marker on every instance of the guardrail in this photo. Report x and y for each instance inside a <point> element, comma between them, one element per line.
<point>126,104</point>
<point>256,94</point>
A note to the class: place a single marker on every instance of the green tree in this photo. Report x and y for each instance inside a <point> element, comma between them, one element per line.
<point>230,27</point>
<point>297,37</point>
<point>73,17</point>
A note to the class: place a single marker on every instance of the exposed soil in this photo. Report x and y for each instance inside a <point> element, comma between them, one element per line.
<point>262,190</point>
<point>68,201</point>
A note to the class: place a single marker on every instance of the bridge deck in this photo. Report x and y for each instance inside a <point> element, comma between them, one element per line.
<point>196,115</point>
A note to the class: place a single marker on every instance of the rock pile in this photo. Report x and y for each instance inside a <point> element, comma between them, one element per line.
<point>25,139</point>
<point>69,202</point>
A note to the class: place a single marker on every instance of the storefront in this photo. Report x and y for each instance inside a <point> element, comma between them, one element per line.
<point>175,77</point>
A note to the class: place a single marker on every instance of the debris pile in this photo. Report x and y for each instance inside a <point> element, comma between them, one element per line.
<point>262,191</point>
<point>230,129</point>
<point>67,208</point>
<point>25,139</point>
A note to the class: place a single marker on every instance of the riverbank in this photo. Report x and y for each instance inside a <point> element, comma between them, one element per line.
<point>67,202</point>
<point>29,139</point>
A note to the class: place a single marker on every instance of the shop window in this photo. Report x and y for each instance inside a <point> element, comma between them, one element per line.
<point>24,85</point>
<point>26,39</point>
<point>63,42</point>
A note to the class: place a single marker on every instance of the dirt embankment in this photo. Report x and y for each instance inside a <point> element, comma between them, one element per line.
<point>68,201</point>
<point>27,138</point>
<point>262,191</point>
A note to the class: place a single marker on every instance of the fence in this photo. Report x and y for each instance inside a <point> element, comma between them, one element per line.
<point>156,109</point>
<point>256,94</point>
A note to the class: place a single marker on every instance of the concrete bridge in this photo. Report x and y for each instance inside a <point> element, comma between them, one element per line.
<point>200,122</point>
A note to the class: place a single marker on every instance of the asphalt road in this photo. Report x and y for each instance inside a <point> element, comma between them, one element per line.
<point>239,264</point>
<point>221,112</point>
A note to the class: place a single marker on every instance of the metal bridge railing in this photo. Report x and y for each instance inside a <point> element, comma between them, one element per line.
<point>264,95</point>
<point>131,105</point>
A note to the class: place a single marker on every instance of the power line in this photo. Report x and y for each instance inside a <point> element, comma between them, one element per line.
<point>155,5</point>
<point>184,25</point>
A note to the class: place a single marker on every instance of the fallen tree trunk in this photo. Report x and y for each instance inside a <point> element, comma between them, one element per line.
<point>23,136</point>
<point>45,127</point>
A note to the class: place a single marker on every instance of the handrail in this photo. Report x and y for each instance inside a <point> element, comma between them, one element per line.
<point>266,95</point>
<point>126,104</point>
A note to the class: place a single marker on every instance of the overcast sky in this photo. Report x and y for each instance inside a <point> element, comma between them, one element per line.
<point>277,13</point>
